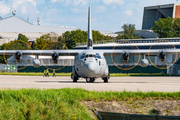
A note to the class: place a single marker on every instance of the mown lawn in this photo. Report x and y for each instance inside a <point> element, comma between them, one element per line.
<point>64,103</point>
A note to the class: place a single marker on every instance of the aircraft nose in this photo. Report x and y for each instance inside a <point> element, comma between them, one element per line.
<point>91,67</point>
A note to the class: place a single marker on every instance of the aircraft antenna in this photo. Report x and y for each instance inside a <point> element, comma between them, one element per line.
<point>38,21</point>
<point>14,12</point>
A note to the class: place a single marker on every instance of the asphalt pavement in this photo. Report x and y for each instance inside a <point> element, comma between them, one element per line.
<point>145,84</point>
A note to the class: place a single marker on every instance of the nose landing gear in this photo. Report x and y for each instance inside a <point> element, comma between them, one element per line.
<point>90,80</point>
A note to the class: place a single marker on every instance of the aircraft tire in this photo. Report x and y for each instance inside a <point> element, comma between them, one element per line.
<point>88,80</point>
<point>75,79</point>
<point>92,80</point>
<point>105,79</point>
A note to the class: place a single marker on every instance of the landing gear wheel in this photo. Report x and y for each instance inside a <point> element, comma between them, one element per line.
<point>88,80</point>
<point>105,79</point>
<point>92,80</point>
<point>75,79</point>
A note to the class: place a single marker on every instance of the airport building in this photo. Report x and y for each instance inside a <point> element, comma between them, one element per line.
<point>13,25</point>
<point>153,13</point>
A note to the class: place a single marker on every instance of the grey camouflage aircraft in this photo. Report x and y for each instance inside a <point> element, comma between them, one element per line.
<point>90,64</point>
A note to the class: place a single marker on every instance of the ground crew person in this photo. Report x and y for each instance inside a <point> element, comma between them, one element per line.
<point>47,72</point>
<point>44,73</point>
<point>54,74</point>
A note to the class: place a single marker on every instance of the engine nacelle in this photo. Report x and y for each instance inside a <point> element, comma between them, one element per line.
<point>18,57</point>
<point>125,56</point>
<point>162,56</point>
<point>55,58</point>
<point>36,63</point>
<point>144,63</point>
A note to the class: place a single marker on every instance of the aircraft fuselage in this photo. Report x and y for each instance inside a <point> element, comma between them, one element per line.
<point>90,64</point>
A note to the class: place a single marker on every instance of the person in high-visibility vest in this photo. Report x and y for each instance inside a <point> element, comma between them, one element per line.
<point>44,73</point>
<point>47,72</point>
<point>54,73</point>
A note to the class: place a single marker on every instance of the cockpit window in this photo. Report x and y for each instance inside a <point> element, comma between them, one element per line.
<point>90,55</point>
<point>83,56</point>
<point>98,56</point>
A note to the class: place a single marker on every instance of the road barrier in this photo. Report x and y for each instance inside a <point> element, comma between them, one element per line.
<point>121,116</point>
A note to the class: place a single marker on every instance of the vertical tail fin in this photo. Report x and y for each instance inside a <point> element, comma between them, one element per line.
<point>89,38</point>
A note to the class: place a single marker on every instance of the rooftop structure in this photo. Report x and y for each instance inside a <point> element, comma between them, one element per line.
<point>16,24</point>
<point>153,13</point>
<point>142,33</point>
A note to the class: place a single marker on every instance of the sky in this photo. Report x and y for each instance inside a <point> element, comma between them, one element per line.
<point>107,15</point>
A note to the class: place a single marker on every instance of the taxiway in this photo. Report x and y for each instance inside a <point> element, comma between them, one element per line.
<point>164,84</point>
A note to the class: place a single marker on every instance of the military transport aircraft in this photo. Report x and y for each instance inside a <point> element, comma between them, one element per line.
<point>89,64</point>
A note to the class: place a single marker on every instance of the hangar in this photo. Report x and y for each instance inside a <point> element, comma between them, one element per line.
<point>13,25</point>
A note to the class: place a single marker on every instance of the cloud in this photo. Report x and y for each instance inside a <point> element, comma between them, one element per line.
<point>100,9</point>
<point>128,13</point>
<point>75,10</point>
<point>24,9</point>
<point>74,2</point>
<point>3,9</point>
<point>19,2</point>
<point>79,2</point>
<point>108,2</point>
<point>53,1</point>
<point>78,10</point>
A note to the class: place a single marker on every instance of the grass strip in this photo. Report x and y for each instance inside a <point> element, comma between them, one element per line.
<point>69,74</point>
<point>35,74</point>
<point>63,103</point>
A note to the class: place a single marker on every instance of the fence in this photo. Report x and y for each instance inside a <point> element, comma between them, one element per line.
<point>112,69</point>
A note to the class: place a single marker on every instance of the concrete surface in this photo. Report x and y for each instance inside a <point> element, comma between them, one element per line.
<point>165,84</point>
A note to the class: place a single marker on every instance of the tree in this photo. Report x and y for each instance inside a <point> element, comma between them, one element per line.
<point>48,42</point>
<point>164,27</point>
<point>2,47</point>
<point>128,32</point>
<point>20,44</point>
<point>177,27</point>
<point>40,43</point>
<point>79,36</point>
<point>23,38</point>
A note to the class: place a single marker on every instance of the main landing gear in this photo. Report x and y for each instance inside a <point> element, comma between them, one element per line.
<point>74,78</point>
<point>90,80</point>
<point>106,78</point>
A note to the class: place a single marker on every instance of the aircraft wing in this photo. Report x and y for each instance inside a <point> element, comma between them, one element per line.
<point>42,52</point>
<point>141,52</point>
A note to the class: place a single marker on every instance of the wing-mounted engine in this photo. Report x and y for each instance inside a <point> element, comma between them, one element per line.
<point>125,57</point>
<point>18,57</point>
<point>55,57</point>
<point>162,56</point>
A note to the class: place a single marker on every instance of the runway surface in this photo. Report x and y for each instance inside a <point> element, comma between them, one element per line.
<point>165,84</point>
